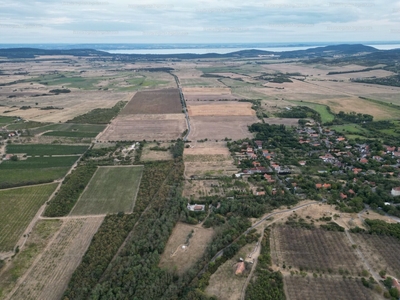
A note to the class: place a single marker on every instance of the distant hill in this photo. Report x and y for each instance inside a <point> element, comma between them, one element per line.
<point>328,51</point>
<point>32,52</point>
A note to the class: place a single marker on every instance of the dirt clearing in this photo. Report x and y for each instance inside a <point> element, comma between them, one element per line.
<point>193,247</point>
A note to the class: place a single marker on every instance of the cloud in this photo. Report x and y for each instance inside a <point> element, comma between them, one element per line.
<point>205,21</point>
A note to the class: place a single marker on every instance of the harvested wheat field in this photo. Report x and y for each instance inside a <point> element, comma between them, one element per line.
<point>195,239</point>
<point>165,101</point>
<point>160,127</point>
<point>233,127</point>
<point>207,93</point>
<point>225,108</point>
<point>71,105</point>
<point>206,167</point>
<point>50,273</point>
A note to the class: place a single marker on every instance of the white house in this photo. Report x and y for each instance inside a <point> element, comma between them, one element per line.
<point>396,191</point>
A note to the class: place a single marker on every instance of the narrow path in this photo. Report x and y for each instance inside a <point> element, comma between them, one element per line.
<point>183,101</point>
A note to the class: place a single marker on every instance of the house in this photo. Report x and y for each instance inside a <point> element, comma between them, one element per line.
<point>324,186</point>
<point>7,157</point>
<point>363,160</point>
<point>240,268</point>
<point>340,139</point>
<point>343,196</point>
<point>261,193</point>
<point>269,178</point>
<point>196,207</point>
<point>259,144</point>
<point>356,170</point>
<point>302,163</point>
<point>396,191</point>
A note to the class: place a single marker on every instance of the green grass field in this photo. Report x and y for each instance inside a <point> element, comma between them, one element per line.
<point>45,149</point>
<point>111,190</point>
<point>4,120</point>
<point>34,170</point>
<point>25,125</point>
<point>18,207</point>
<point>349,128</point>
<point>67,129</point>
<point>39,163</point>
<point>326,116</point>
<point>77,134</point>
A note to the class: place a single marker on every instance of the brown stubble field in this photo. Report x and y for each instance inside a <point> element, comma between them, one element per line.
<point>175,257</point>
<point>49,275</point>
<point>164,101</point>
<point>222,108</point>
<point>159,127</point>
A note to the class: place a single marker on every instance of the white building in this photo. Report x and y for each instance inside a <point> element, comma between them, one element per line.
<point>396,191</point>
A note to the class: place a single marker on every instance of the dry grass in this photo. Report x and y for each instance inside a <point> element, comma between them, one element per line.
<point>50,273</point>
<point>224,284</point>
<point>162,127</point>
<point>175,257</point>
<point>152,155</point>
<point>226,108</point>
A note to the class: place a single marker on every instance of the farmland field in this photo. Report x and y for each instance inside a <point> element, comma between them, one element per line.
<point>69,128</point>
<point>49,276</point>
<point>380,258</point>
<point>326,116</point>
<point>18,207</point>
<point>150,155</point>
<point>314,250</point>
<point>160,127</point>
<point>43,149</point>
<point>165,101</point>
<point>299,288</point>
<point>20,177</point>
<point>209,127</point>
<point>34,170</point>
<point>282,121</point>
<point>41,233</point>
<point>224,108</point>
<point>111,190</point>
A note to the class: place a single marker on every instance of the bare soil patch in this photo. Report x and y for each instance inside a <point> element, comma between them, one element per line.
<point>165,101</point>
<point>160,127</point>
<point>50,274</point>
<point>175,256</point>
<point>221,109</point>
<point>234,127</point>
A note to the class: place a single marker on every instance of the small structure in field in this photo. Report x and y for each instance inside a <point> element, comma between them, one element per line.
<point>240,267</point>
<point>196,207</point>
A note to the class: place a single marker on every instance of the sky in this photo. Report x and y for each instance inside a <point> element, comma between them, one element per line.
<point>203,21</point>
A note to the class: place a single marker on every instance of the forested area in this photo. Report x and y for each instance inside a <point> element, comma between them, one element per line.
<point>268,284</point>
<point>299,112</point>
<point>71,188</point>
<point>382,228</point>
<point>276,135</point>
<point>100,253</point>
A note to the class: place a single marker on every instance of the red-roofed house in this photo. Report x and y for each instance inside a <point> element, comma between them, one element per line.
<point>396,191</point>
